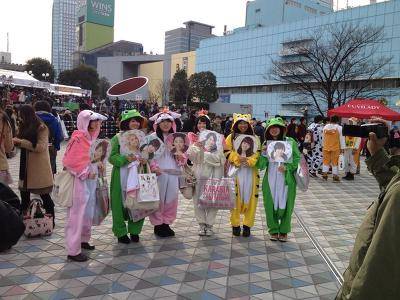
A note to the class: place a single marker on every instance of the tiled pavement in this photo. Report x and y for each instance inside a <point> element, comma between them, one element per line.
<point>193,267</point>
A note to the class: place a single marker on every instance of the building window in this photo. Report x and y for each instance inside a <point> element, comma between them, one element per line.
<point>293,3</point>
<point>310,10</point>
<point>258,10</point>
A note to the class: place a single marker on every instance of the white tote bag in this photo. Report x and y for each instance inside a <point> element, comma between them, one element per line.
<point>63,188</point>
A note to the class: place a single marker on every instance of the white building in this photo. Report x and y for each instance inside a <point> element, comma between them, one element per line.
<point>63,34</point>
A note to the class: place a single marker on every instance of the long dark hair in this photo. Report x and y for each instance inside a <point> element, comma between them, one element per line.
<point>160,133</point>
<point>202,119</point>
<point>249,152</point>
<point>214,136</point>
<point>235,129</point>
<point>29,124</point>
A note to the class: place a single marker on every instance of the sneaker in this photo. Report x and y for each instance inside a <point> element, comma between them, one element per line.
<point>283,237</point>
<point>246,231</point>
<point>209,230</point>
<point>78,258</point>
<point>87,246</point>
<point>124,239</point>
<point>202,229</point>
<point>135,238</point>
<point>336,178</point>
<point>168,230</point>
<point>274,237</point>
<point>236,231</point>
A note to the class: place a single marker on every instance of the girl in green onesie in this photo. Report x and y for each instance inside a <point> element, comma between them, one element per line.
<point>279,184</point>
<point>129,120</point>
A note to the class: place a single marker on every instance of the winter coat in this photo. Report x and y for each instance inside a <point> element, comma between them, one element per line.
<point>55,131</point>
<point>6,143</point>
<point>374,267</point>
<point>38,176</point>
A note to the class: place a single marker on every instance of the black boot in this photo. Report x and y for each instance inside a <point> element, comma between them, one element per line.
<point>236,231</point>
<point>135,238</point>
<point>350,177</point>
<point>347,176</point>
<point>87,246</point>
<point>246,231</point>
<point>78,258</point>
<point>168,230</point>
<point>124,239</point>
<point>159,230</point>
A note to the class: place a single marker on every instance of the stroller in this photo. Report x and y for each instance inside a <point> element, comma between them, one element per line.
<point>11,221</point>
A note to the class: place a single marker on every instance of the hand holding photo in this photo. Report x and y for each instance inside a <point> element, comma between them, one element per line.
<point>151,147</point>
<point>211,141</point>
<point>100,151</point>
<point>279,151</point>
<point>130,142</point>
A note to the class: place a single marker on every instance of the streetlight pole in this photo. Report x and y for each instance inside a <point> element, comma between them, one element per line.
<point>45,75</point>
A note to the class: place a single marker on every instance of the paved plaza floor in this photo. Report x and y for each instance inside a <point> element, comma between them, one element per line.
<point>192,267</point>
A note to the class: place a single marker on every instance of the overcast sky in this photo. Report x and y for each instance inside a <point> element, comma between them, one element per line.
<point>29,22</point>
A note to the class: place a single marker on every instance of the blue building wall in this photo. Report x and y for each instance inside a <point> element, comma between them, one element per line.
<point>273,12</point>
<point>244,57</point>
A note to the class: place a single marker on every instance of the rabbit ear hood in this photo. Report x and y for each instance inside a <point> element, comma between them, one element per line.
<point>165,114</point>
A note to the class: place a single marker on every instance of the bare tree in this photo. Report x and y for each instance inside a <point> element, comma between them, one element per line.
<point>333,65</point>
<point>162,89</point>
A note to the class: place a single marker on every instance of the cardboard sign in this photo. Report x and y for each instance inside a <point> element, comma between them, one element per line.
<point>151,147</point>
<point>100,151</point>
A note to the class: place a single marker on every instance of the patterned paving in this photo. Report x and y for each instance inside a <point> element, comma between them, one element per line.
<point>193,267</point>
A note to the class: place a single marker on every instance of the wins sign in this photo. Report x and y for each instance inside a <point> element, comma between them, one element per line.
<point>101,12</point>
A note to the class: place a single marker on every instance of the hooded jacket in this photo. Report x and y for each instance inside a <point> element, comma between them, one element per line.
<point>77,154</point>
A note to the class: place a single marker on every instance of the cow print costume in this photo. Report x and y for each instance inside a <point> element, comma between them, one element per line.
<point>315,160</point>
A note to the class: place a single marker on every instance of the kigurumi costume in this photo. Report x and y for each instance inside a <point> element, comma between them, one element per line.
<point>77,161</point>
<point>168,180</point>
<point>247,178</point>
<point>279,189</point>
<point>118,184</point>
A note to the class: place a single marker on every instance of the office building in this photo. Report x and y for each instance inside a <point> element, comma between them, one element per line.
<point>95,27</point>
<point>183,40</point>
<point>242,61</point>
<point>63,34</point>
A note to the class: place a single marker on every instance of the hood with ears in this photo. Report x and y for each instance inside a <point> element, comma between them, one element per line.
<point>165,114</point>
<point>83,120</point>
<point>241,117</point>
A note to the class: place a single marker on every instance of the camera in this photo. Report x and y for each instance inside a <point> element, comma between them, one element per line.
<point>363,131</point>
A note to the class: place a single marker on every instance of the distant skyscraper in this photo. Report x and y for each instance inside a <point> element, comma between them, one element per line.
<point>63,34</point>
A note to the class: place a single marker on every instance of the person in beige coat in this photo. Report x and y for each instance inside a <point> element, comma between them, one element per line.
<point>35,174</point>
<point>6,146</point>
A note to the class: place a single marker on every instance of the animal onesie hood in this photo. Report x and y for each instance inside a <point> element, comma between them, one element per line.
<point>205,165</point>
<point>333,142</point>
<point>168,181</point>
<point>247,178</point>
<point>77,161</point>
<point>279,189</point>
<point>119,161</point>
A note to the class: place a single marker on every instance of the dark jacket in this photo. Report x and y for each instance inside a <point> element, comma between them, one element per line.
<point>55,132</point>
<point>11,224</point>
<point>374,267</point>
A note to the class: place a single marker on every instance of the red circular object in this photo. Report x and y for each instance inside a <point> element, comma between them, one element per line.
<point>127,86</point>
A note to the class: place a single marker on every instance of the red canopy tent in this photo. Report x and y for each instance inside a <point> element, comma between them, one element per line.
<point>364,109</point>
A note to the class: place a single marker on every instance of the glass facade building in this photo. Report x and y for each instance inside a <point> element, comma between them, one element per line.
<point>63,34</point>
<point>242,61</point>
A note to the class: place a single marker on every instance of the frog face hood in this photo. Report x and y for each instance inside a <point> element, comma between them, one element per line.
<point>275,122</point>
<point>127,115</point>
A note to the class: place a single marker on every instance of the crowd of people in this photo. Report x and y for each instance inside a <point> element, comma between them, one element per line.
<point>236,146</point>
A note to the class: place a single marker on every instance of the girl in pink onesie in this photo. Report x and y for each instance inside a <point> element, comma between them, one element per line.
<point>168,171</point>
<point>77,161</point>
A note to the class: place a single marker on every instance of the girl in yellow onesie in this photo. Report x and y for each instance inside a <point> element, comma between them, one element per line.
<point>247,178</point>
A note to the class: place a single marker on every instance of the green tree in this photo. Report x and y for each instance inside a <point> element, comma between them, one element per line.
<point>203,86</point>
<point>83,76</point>
<point>179,89</point>
<point>40,66</point>
<point>104,85</point>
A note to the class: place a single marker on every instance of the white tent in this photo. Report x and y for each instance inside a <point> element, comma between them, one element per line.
<point>15,78</point>
<point>59,89</point>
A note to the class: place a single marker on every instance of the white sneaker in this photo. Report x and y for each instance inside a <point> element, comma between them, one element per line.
<point>202,230</point>
<point>209,231</point>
